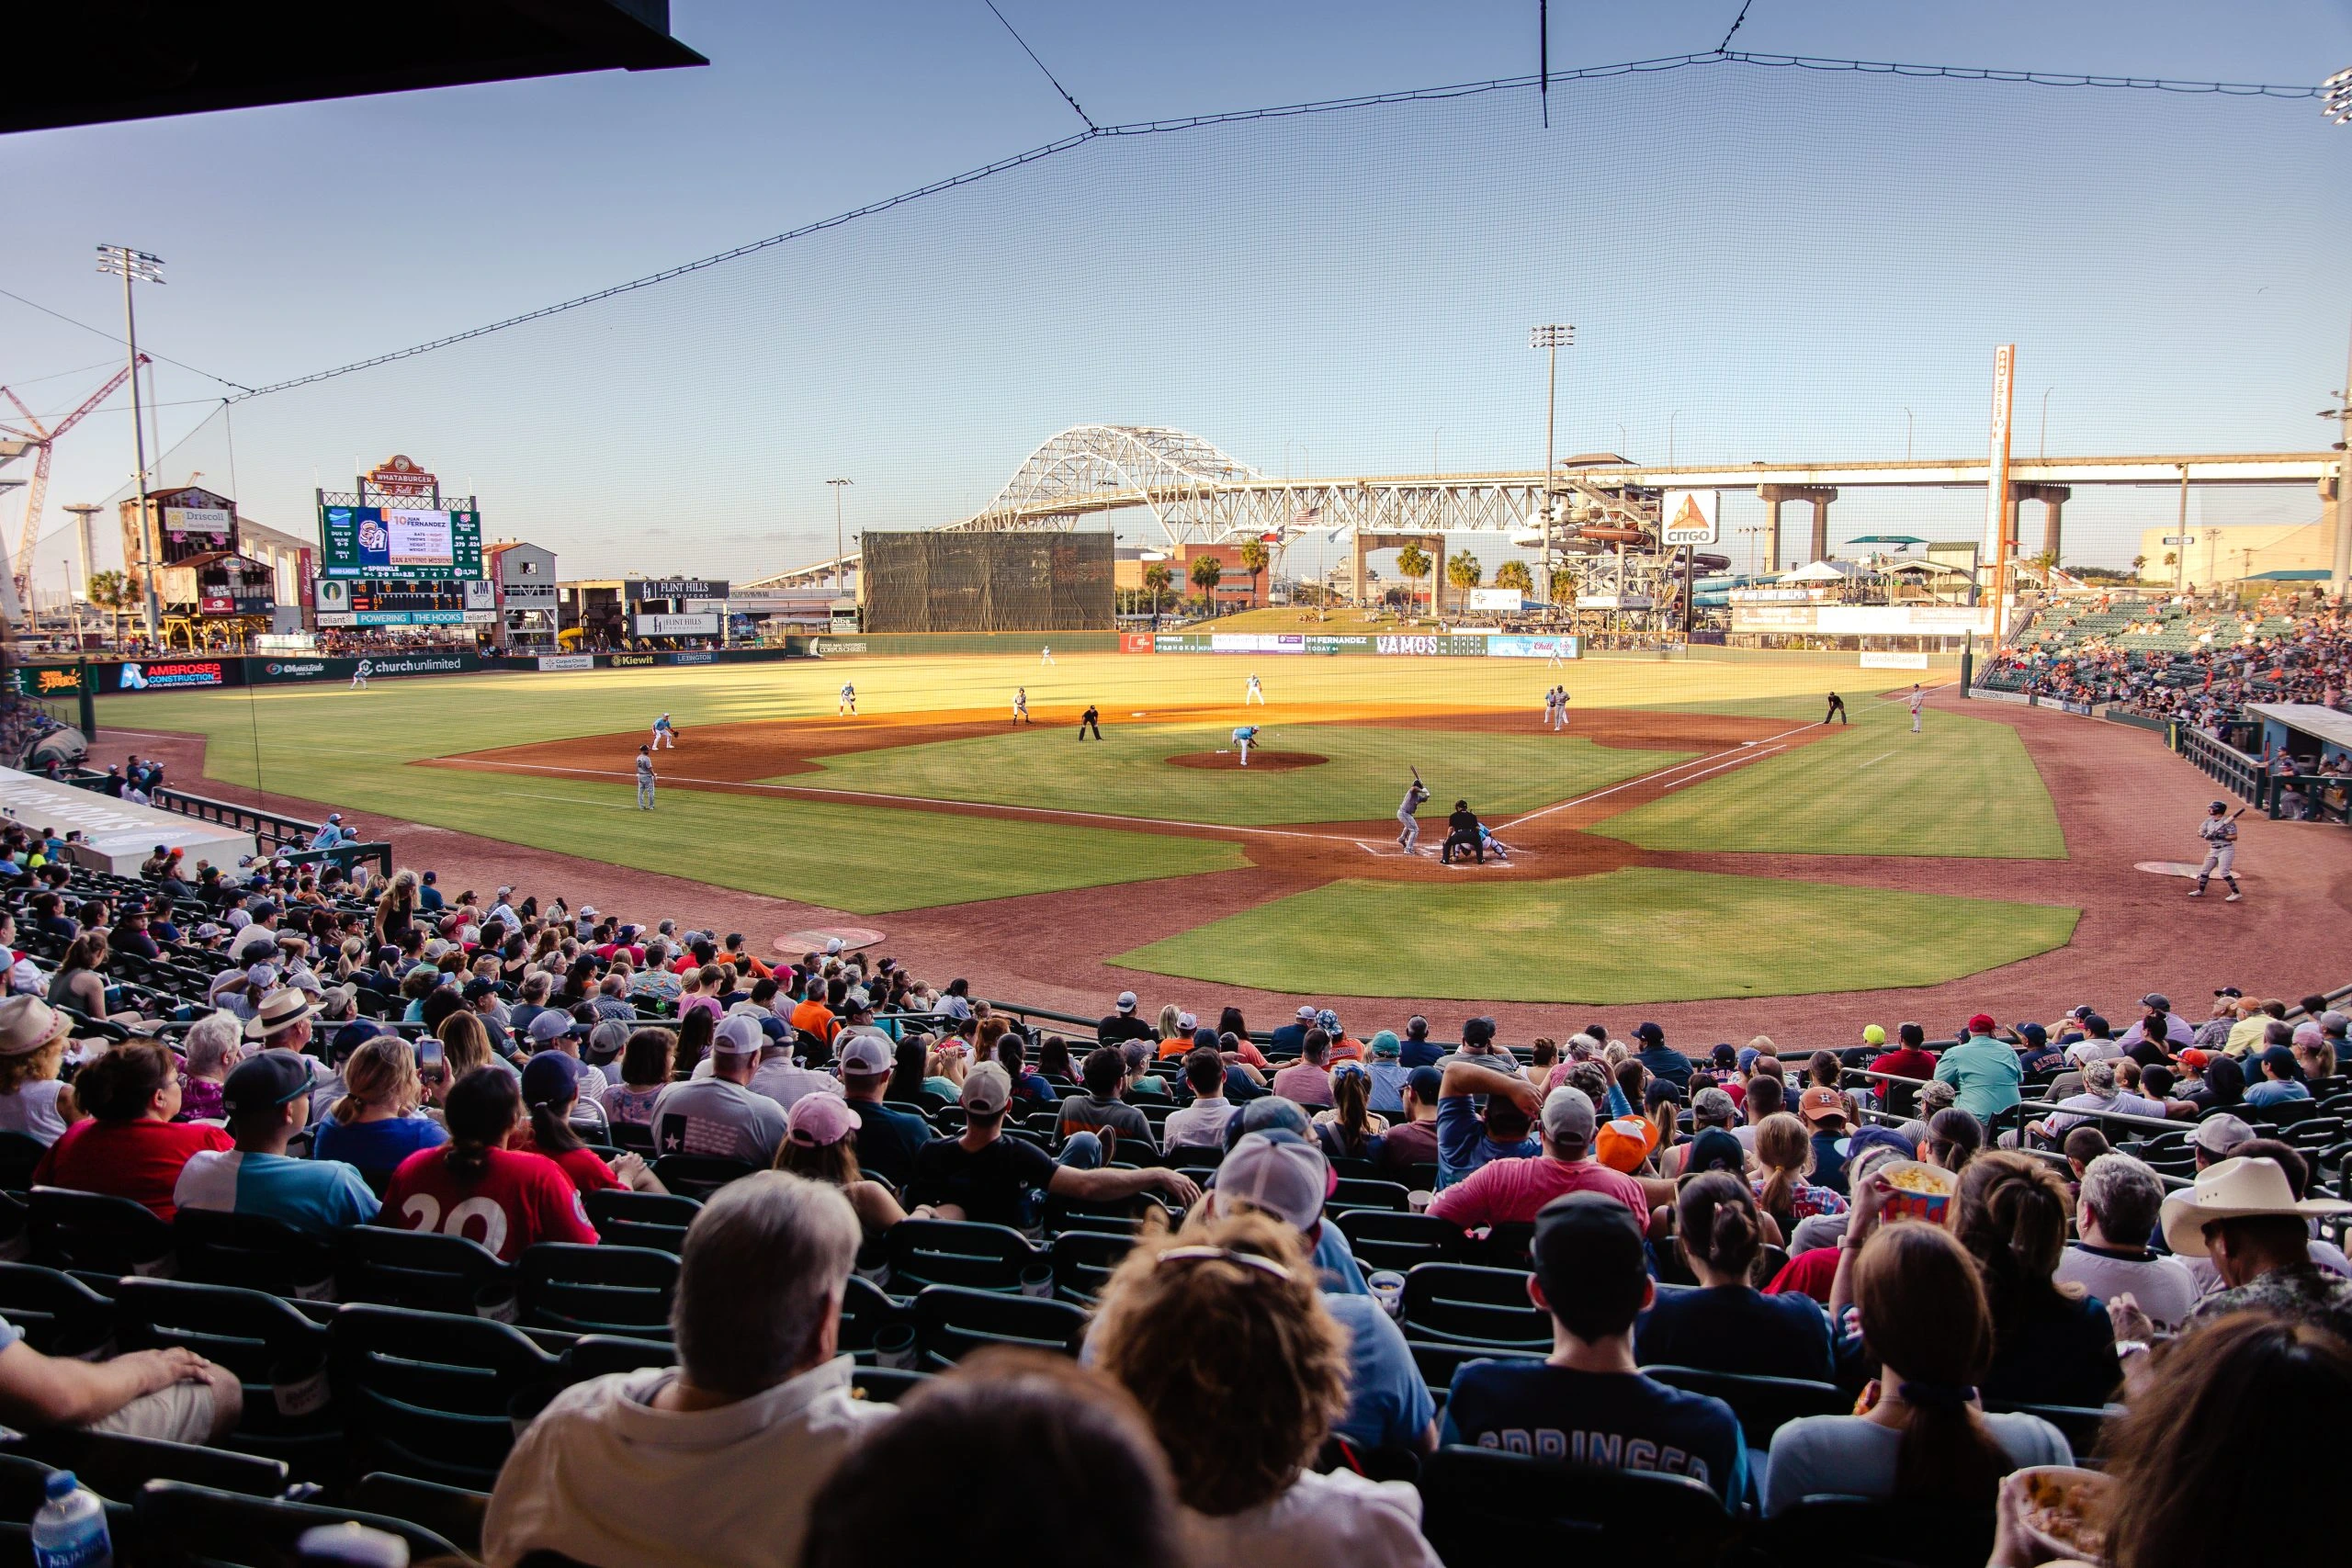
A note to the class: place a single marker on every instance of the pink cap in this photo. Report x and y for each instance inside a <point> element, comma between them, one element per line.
<point>820,1119</point>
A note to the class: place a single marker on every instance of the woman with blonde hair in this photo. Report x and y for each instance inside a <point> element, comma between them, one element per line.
<point>1784,1150</point>
<point>212,1044</point>
<point>80,982</point>
<point>396,910</point>
<point>1221,1333</point>
<point>32,1049</point>
<point>377,1124</point>
<point>1169,1029</point>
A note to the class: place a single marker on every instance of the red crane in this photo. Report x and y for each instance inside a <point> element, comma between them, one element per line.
<point>44,438</point>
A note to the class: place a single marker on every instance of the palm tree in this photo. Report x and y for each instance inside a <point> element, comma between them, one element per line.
<point>1253,561</point>
<point>2139,564</point>
<point>110,592</point>
<point>1157,578</point>
<point>1464,572</point>
<point>1206,572</point>
<point>1412,565</point>
<point>1514,574</point>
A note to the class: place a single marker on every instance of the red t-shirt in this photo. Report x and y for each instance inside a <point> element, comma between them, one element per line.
<point>1905,1062</point>
<point>521,1199</point>
<point>1808,1273</point>
<point>585,1167</point>
<point>139,1160</point>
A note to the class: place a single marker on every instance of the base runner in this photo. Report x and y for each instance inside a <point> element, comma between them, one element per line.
<point>1406,816</point>
<point>2220,832</point>
<point>1243,739</point>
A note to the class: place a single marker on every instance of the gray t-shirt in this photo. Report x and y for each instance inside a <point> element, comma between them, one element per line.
<point>1846,1456</point>
<point>713,1116</point>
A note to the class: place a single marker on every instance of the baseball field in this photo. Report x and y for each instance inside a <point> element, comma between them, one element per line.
<point>1695,832</point>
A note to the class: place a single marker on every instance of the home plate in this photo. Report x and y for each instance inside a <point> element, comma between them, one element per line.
<point>2167,867</point>
<point>816,939</point>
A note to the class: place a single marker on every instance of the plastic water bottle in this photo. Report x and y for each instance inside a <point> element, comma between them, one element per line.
<point>70,1531</point>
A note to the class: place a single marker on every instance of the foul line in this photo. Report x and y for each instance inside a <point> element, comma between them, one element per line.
<point>1882,757</point>
<point>1741,753</point>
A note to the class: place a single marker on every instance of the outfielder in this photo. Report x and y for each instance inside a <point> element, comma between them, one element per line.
<point>1406,816</point>
<point>359,676</point>
<point>663,734</point>
<point>1045,654</point>
<point>1917,697</point>
<point>2220,832</point>
<point>645,778</point>
<point>1559,659</point>
<point>1253,692</point>
<point>1243,739</point>
<point>849,700</point>
<point>1021,706</point>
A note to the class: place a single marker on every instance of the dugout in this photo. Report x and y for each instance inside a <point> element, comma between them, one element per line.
<point>1017,582</point>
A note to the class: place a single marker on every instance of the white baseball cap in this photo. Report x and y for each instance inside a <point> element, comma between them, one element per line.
<point>737,1036</point>
<point>1126,1002</point>
<point>1283,1176</point>
<point>987,1090</point>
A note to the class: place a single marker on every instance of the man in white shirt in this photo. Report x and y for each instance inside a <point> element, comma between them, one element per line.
<point>502,912</point>
<point>1202,1123</point>
<point>712,1463</point>
<point>720,1114</point>
<point>2115,1215</point>
<point>778,1077</point>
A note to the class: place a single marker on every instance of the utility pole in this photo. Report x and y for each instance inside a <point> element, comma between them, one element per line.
<point>2340,574</point>
<point>1550,339</point>
<point>838,552</point>
<point>137,266</point>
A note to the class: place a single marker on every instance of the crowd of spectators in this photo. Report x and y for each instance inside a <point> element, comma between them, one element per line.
<point>2127,1219</point>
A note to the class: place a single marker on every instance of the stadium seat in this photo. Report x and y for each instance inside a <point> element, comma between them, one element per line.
<point>1854,1532</point>
<point>183,1526</point>
<point>952,1320</point>
<point>97,1232</point>
<point>18,1155</point>
<point>596,1290</point>
<point>1506,1246</point>
<point>658,1220</point>
<point>866,1313</point>
<point>1359,1193</point>
<point>885,1386</point>
<point>601,1355</point>
<point>1438,1363</point>
<point>116,1467</point>
<point>699,1175</point>
<point>1462,1304</point>
<point>24,1483</point>
<point>1118,1216</point>
<point>1764,1405</point>
<point>634,1137</point>
<point>58,1315</point>
<point>2085,1427</point>
<point>1190,1157</point>
<point>1383,1239</point>
<point>453,1513</point>
<point>1083,1262</point>
<point>279,1356</point>
<point>950,1252</point>
<point>215,1247</point>
<point>1554,1512</point>
<point>428,1395</point>
<point>421,1270</point>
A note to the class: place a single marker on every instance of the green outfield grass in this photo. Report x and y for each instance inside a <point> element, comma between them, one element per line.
<point>1640,934</point>
<point>1964,786</point>
<point>1128,774</point>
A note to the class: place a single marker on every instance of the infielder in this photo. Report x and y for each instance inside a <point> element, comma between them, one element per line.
<point>359,676</point>
<point>1045,654</point>
<point>1411,837</point>
<point>2220,831</point>
<point>1021,706</point>
<point>1253,692</point>
<point>849,700</point>
<point>1917,697</point>
<point>645,778</point>
<point>663,735</point>
<point>1243,739</point>
<point>1559,661</point>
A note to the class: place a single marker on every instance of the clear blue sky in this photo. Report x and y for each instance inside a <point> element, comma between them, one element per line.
<point>1781,262</point>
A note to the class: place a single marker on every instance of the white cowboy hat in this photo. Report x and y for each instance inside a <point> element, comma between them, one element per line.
<point>28,1024</point>
<point>2230,1189</point>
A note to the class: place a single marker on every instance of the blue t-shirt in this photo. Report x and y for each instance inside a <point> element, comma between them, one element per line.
<point>1619,1420</point>
<point>1387,1096</point>
<point>1731,1328</point>
<point>1422,1054</point>
<point>309,1194</point>
<point>1463,1144</point>
<point>2270,1091</point>
<point>376,1145</point>
<point>1388,1405</point>
<point>1334,1260</point>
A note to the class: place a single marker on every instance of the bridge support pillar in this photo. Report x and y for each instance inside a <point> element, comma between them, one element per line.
<point>2053,498</point>
<point>1434,543</point>
<point>1819,497</point>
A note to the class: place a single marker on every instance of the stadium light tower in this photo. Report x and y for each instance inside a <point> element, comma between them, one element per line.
<point>839,485</point>
<point>1550,339</point>
<point>137,267</point>
<point>2336,103</point>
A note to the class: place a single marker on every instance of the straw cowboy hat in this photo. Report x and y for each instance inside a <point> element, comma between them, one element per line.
<point>28,1024</point>
<point>2233,1189</point>
<point>280,1010</point>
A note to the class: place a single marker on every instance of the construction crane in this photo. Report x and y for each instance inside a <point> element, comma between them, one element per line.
<point>19,585</point>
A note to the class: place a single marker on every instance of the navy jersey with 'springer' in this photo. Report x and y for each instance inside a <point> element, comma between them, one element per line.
<point>1619,1420</point>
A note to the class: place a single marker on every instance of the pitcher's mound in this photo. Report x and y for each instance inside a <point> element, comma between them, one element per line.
<point>1272,761</point>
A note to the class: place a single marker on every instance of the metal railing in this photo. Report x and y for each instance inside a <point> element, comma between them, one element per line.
<point>2236,771</point>
<point>280,838</point>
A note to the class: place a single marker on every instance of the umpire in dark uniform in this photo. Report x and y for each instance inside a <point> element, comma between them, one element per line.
<point>1461,832</point>
<point>1090,719</point>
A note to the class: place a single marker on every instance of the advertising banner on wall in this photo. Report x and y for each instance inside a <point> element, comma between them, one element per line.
<point>1894,662</point>
<point>676,626</point>
<point>566,662</point>
<point>156,674</point>
<point>1516,645</point>
<point>640,588</point>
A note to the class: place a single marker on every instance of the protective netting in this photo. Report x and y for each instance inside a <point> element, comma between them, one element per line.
<point>987,582</point>
<point>1761,265</point>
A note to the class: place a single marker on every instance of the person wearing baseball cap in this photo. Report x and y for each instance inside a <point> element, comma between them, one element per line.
<point>1824,1112</point>
<point>1984,1071</point>
<point>1661,1059</point>
<point>888,1137</point>
<point>720,1114</point>
<point>553,1031</point>
<point>988,1178</point>
<point>2281,1080</point>
<point>1120,1025</point>
<point>1291,1037</point>
<point>820,1144</point>
<point>1588,1403</point>
<point>267,1101</point>
<point>1285,1176</point>
<point>1504,1192</point>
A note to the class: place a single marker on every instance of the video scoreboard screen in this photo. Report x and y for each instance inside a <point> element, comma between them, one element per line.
<point>399,542</point>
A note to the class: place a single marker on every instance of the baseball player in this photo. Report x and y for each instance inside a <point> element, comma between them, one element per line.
<point>1405,818</point>
<point>1559,659</point>
<point>1253,692</point>
<point>1836,710</point>
<point>849,700</point>
<point>645,778</point>
<point>1021,706</point>
<point>2220,831</point>
<point>1551,705</point>
<point>359,676</point>
<point>1918,697</point>
<point>1243,739</point>
<point>1090,719</point>
<point>664,734</point>
<point>1493,845</point>
<point>1046,655</point>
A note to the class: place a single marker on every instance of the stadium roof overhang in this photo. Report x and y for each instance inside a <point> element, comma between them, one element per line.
<point>114,60</point>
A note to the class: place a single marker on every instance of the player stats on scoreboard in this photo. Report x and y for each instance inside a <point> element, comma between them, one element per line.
<point>399,542</point>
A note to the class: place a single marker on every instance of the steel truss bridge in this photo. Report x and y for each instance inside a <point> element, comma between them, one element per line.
<point>1196,494</point>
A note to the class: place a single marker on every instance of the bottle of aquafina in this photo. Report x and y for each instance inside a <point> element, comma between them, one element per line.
<point>70,1531</point>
